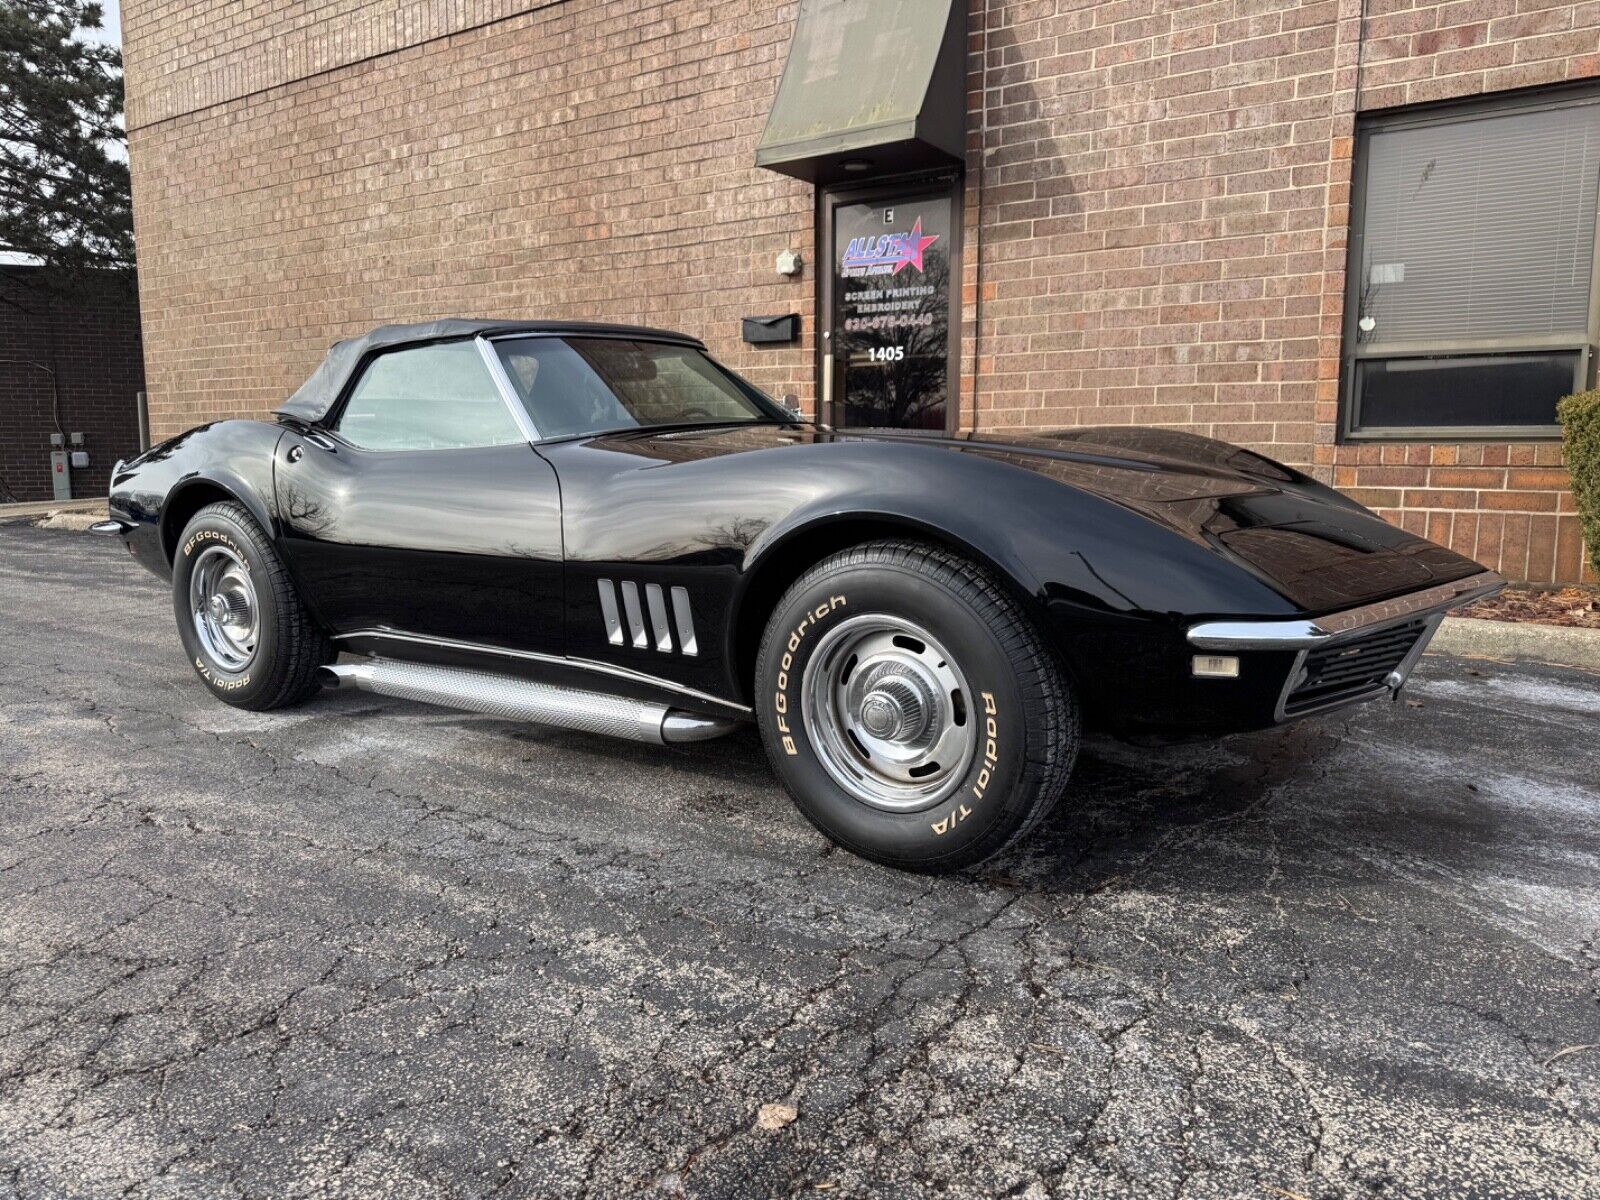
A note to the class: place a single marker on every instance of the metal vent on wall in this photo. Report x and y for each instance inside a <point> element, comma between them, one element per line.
<point>625,621</point>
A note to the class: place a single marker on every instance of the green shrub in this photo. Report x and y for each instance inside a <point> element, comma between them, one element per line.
<point>1580,434</point>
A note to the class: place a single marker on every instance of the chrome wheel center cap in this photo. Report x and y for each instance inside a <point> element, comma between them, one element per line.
<point>881,715</point>
<point>896,709</point>
<point>230,608</point>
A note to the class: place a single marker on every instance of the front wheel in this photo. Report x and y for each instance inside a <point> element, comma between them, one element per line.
<point>244,627</point>
<point>912,709</point>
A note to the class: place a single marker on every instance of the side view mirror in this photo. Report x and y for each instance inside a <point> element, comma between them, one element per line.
<point>791,405</point>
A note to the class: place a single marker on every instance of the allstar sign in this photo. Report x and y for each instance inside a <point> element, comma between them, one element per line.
<point>893,250</point>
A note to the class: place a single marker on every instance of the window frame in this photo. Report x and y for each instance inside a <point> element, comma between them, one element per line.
<point>1353,352</point>
<point>329,424</point>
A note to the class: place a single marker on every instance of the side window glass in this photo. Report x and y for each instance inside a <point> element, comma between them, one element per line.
<point>437,397</point>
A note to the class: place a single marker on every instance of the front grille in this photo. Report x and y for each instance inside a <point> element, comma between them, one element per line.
<point>1333,674</point>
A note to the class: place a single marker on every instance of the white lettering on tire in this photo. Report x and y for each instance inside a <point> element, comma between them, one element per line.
<point>780,701</point>
<point>991,757</point>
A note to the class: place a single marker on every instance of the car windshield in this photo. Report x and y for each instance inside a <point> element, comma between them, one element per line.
<point>579,385</point>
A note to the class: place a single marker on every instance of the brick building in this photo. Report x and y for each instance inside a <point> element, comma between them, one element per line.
<point>1148,222</point>
<point>71,361</point>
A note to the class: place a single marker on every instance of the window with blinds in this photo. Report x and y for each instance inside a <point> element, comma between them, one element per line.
<point>1471,304</point>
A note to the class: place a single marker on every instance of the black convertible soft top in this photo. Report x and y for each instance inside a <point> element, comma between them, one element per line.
<point>318,394</point>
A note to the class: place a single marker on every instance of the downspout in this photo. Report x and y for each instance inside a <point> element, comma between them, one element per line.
<point>977,229</point>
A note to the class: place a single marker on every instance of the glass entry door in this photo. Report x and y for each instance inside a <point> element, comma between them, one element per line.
<point>888,309</point>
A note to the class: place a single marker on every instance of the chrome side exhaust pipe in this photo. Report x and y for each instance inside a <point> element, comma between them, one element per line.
<point>516,699</point>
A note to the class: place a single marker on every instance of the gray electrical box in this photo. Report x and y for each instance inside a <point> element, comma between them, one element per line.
<point>60,479</point>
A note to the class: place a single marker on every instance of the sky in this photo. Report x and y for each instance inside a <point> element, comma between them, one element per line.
<point>110,33</point>
<point>110,23</point>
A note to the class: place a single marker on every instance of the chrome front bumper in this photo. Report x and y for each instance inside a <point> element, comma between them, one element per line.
<point>1349,628</point>
<point>1307,633</point>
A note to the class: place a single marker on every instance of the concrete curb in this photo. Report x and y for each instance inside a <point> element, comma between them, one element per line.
<point>44,508</point>
<point>71,519</point>
<point>1474,637</point>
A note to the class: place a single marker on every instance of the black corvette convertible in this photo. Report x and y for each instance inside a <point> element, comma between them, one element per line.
<point>600,528</point>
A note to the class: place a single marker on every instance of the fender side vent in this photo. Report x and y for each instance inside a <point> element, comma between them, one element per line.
<point>662,624</point>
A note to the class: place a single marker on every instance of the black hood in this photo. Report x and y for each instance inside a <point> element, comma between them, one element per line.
<point>1317,548</point>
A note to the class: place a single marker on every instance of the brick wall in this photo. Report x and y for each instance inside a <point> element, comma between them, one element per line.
<point>1415,51</point>
<point>1157,203</point>
<point>584,159</point>
<point>191,54</point>
<point>1163,231</point>
<point>90,339</point>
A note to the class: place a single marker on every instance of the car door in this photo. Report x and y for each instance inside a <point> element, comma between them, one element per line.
<point>655,531</point>
<point>422,507</point>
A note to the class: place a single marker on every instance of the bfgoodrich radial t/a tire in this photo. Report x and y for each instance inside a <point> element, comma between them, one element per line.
<point>248,636</point>
<point>911,708</point>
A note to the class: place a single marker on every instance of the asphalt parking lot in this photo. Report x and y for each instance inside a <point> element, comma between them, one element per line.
<point>370,948</point>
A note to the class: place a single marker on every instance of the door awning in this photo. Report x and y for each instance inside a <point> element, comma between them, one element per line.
<point>879,85</point>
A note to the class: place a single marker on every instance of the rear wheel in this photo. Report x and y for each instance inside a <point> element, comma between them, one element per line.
<point>911,708</point>
<point>246,631</point>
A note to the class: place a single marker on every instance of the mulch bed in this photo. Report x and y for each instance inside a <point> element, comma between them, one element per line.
<point>1575,607</point>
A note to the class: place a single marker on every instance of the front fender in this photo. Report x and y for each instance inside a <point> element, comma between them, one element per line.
<point>1101,581</point>
<point>1051,542</point>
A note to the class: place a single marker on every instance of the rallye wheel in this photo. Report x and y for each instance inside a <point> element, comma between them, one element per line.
<point>911,708</point>
<point>248,636</point>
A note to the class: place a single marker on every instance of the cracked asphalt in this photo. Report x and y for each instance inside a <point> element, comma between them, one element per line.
<point>369,948</point>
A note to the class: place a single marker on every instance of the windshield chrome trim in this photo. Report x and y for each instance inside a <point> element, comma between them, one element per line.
<point>508,392</point>
<point>555,660</point>
<point>1307,633</point>
<point>661,336</point>
<point>671,430</point>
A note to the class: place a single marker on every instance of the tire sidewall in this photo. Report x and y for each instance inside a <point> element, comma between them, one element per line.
<point>211,527</point>
<point>986,795</point>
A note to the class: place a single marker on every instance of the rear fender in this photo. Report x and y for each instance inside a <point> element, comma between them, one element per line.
<point>194,493</point>
<point>161,490</point>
